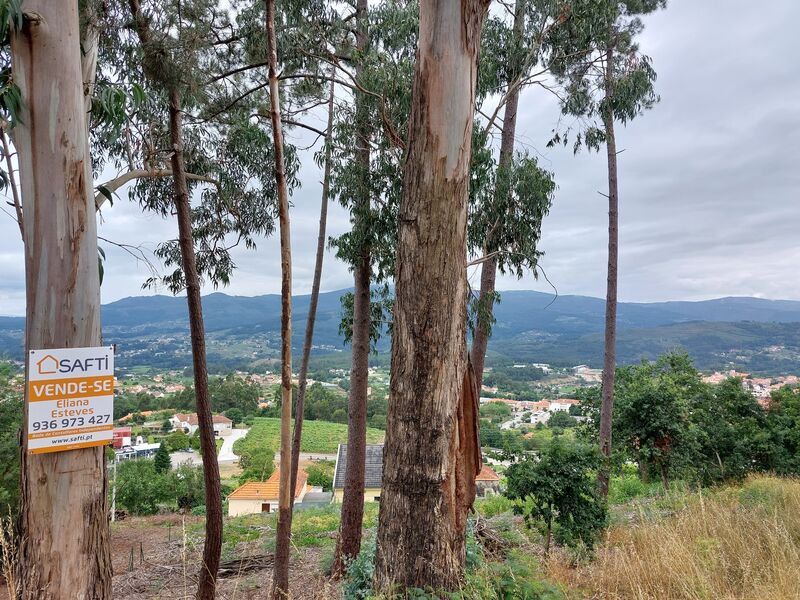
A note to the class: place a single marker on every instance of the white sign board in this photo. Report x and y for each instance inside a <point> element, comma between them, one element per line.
<point>70,398</point>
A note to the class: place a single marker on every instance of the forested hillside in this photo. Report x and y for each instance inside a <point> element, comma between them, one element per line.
<point>749,333</point>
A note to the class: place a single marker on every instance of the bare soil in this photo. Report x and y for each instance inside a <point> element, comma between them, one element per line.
<point>153,560</point>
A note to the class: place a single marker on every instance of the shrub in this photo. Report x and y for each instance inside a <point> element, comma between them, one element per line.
<point>558,495</point>
<point>493,505</point>
<point>358,583</point>
<point>321,474</point>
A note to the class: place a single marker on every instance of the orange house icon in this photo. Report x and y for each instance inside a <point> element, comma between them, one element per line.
<point>47,365</point>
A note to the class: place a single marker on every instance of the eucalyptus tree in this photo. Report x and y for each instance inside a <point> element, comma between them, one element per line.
<point>432,454</point>
<point>509,201</point>
<point>65,547</point>
<point>607,81</point>
<point>280,578</point>
<point>366,179</point>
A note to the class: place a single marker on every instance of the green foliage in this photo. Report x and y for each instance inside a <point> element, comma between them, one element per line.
<point>558,494</point>
<point>561,419</point>
<point>234,414</point>
<point>321,474</point>
<point>380,306</point>
<point>161,461</point>
<point>495,411</point>
<point>10,425</point>
<point>580,48</point>
<point>517,578</point>
<point>358,582</point>
<point>493,505</point>
<point>141,489</point>
<point>229,392</point>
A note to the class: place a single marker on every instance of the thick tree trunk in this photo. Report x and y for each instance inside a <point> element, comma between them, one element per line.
<point>64,551</point>
<point>280,578</point>
<point>212,547</point>
<point>480,340</point>
<point>349,542</point>
<point>431,452</point>
<point>610,353</point>
<point>297,435</point>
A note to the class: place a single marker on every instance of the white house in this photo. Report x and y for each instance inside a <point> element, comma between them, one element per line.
<point>256,497</point>
<point>188,422</point>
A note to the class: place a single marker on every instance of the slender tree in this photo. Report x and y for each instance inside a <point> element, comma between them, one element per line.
<point>349,542</point>
<point>280,578</point>
<point>164,75</point>
<point>297,434</point>
<point>508,202</point>
<point>607,79</point>
<point>431,451</point>
<point>65,551</point>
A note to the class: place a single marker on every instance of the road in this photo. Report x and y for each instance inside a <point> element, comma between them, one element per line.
<point>226,452</point>
<point>225,455</point>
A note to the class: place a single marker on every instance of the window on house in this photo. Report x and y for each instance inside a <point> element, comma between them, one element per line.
<point>265,507</point>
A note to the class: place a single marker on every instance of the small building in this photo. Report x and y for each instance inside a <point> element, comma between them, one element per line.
<point>139,450</point>
<point>487,483</point>
<point>256,497</point>
<point>120,436</point>
<point>373,473</point>
<point>188,422</point>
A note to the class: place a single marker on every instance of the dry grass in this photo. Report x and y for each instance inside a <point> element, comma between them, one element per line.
<point>735,543</point>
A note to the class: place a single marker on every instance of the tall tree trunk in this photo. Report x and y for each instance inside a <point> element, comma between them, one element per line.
<point>280,578</point>
<point>64,551</point>
<point>431,452</point>
<point>212,547</point>
<point>610,352</point>
<point>297,435</point>
<point>480,340</point>
<point>349,542</point>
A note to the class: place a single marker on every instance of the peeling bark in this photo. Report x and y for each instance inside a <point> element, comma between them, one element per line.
<point>430,450</point>
<point>64,551</point>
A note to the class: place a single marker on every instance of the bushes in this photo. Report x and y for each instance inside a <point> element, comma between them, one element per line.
<point>557,494</point>
<point>358,585</point>
<point>140,489</point>
<point>321,474</point>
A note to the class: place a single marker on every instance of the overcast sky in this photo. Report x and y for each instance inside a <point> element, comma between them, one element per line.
<point>709,180</point>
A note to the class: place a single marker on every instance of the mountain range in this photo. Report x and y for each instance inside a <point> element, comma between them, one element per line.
<point>748,333</point>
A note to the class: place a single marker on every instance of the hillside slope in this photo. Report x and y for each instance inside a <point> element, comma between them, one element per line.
<point>751,333</point>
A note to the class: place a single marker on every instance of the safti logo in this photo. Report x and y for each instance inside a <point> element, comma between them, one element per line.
<point>50,365</point>
<point>47,365</point>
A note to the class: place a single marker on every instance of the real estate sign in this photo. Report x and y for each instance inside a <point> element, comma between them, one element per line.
<point>70,398</point>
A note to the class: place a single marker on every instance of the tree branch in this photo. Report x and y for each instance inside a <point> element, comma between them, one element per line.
<point>116,183</point>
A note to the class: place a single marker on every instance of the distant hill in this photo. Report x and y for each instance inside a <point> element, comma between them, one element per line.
<point>751,333</point>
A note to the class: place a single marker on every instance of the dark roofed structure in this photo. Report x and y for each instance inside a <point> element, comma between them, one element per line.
<point>373,469</point>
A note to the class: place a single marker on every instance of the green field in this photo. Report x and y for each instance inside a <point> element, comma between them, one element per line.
<point>318,436</point>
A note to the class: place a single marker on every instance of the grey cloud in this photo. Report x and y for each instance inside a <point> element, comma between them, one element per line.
<point>709,182</point>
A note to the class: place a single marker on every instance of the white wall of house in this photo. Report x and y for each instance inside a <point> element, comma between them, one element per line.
<point>237,508</point>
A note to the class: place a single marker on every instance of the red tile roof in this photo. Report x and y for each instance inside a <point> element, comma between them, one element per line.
<point>267,490</point>
<point>487,474</point>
